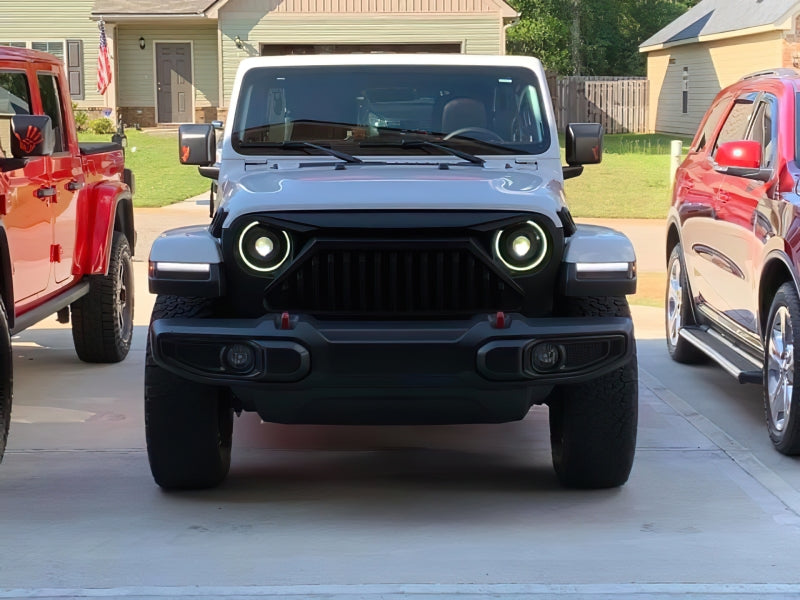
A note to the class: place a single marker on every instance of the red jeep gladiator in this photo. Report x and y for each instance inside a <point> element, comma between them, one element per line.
<point>66,221</point>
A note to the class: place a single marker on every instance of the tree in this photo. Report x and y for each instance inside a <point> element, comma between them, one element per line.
<point>590,37</point>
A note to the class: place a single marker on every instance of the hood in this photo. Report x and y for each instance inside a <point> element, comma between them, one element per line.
<point>394,187</point>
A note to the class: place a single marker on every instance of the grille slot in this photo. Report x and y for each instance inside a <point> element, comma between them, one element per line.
<point>380,278</point>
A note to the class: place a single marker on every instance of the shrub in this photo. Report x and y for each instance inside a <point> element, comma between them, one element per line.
<point>102,125</point>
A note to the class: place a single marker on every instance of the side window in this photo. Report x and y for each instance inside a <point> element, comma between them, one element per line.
<point>764,131</point>
<point>15,99</point>
<point>736,122</point>
<point>51,102</point>
<point>710,125</point>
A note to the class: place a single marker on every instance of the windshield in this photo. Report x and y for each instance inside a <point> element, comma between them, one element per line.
<point>374,109</point>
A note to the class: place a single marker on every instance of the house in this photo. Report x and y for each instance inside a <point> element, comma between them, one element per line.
<point>709,47</point>
<point>174,61</point>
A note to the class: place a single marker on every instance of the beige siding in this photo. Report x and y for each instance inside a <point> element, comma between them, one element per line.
<point>363,7</point>
<point>56,20</point>
<point>137,67</point>
<point>478,34</point>
<point>712,67</point>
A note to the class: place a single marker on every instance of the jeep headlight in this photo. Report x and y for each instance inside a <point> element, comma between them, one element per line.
<point>263,248</point>
<point>521,247</point>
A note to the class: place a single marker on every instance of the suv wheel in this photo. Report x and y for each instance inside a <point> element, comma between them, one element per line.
<point>781,402</point>
<point>593,425</point>
<point>678,311</point>
<point>6,379</point>
<point>102,321</point>
<point>188,426</point>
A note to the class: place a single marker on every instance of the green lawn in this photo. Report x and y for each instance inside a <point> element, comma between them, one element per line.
<point>631,182</point>
<point>153,158</point>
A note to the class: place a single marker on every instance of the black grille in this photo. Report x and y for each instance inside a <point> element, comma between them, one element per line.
<point>374,278</point>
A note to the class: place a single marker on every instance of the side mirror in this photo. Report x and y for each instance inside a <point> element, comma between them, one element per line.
<point>217,124</point>
<point>32,135</point>
<point>744,153</point>
<point>197,144</point>
<point>584,144</point>
<point>741,159</point>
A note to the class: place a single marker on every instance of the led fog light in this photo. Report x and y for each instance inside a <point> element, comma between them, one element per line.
<point>546,356</point>
<point>239,358</point>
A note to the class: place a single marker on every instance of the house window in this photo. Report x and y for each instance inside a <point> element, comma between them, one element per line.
<point>685,93</point>
<point>70,52</point>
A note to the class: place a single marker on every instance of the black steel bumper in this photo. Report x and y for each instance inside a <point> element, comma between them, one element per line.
<point>302,370</point>
<point>301,352</point>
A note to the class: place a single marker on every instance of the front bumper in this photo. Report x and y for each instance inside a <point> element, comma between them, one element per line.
<point>302,350</point>
<point>302,370</point>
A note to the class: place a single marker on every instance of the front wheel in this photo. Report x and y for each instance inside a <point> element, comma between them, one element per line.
<point>102,320</point>
<point>678,312</point>
<point>781,402</point>
<point>188,426</point>
<point>593,425</point>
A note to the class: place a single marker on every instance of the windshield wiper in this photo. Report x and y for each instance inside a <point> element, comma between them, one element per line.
<point>290,144</point>
<point>475,160</point>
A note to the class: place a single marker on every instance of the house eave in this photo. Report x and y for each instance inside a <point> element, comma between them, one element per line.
<point>117,17</point>
<point>714,37</point>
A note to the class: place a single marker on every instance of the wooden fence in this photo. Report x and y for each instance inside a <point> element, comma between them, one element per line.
<point>618,103</point>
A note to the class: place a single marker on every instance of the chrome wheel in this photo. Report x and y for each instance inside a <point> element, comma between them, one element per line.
<point>674,303</point>
<point>780,368</point>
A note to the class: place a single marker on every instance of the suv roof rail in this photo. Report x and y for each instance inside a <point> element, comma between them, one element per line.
<point>781,72</point>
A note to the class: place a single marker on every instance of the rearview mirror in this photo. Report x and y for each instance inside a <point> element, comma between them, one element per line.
<point>32,135</point>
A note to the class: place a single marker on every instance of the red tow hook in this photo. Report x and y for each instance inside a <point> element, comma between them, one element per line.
<point>500,320</point>
<point>285,321</point>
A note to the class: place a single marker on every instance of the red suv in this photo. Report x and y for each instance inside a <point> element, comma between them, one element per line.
<point>733,245</point>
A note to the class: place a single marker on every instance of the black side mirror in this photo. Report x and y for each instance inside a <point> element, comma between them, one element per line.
<point>197,144</point>
<point>32,135</point>
<point>584,144</point>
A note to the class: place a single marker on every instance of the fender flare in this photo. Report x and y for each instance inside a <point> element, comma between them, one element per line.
<point>6,281</point>
<point>107,206</point>
<point>613,254</point>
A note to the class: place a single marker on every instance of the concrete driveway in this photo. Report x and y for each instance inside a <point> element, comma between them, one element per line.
<point>392,512</point>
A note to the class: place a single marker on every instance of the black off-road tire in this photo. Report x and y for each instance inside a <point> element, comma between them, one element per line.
<point>102,320</point>
<point>678,311</point>
<point>6,379</point>
<point>188,426</point>
<point>781,355</point>
<point>593,425</point>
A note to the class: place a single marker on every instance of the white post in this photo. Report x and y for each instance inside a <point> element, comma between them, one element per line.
<point>675,151</point>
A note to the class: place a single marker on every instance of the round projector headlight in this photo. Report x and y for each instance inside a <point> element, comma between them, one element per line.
<point>521,247</point>
<point>263,249</point>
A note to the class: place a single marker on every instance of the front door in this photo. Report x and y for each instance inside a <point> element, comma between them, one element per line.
<point>174,82</point>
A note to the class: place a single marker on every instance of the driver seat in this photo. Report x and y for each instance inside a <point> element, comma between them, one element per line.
<point>459,113</point>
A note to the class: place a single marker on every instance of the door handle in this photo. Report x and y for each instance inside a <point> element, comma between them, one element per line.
<point>74,186</point>
<point>46,193</point>
<point>723,197</point>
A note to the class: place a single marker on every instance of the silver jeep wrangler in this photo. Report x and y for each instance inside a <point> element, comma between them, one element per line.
<point>391,246</point>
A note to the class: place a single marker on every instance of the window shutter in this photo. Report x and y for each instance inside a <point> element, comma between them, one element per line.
<point>74,63</point>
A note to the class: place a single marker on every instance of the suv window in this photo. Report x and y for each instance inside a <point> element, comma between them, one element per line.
<point>51,102</point>
<point>710,125</point>
<point>736,122</point>
<point>15,99</point>
<point>764,129</point>
<point>498,109</point>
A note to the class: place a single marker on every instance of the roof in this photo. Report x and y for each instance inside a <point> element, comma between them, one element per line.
<point>724,18</point>
<point>151,7</point>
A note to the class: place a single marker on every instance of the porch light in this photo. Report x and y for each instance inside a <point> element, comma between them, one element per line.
<point>238,41</point>
<point>141,43</point>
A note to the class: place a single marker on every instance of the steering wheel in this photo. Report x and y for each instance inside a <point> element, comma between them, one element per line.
<point>487,133</point>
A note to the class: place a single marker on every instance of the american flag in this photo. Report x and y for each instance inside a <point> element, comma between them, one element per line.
<point>103,62</point>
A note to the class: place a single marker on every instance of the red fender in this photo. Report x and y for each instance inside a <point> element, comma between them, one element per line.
<point>97,210</point>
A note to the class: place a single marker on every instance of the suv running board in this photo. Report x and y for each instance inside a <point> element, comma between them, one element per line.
<point>734,360</point>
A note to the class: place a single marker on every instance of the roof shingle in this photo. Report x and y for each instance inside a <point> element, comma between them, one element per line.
<point>150,7</point>
<point>710,17</point>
